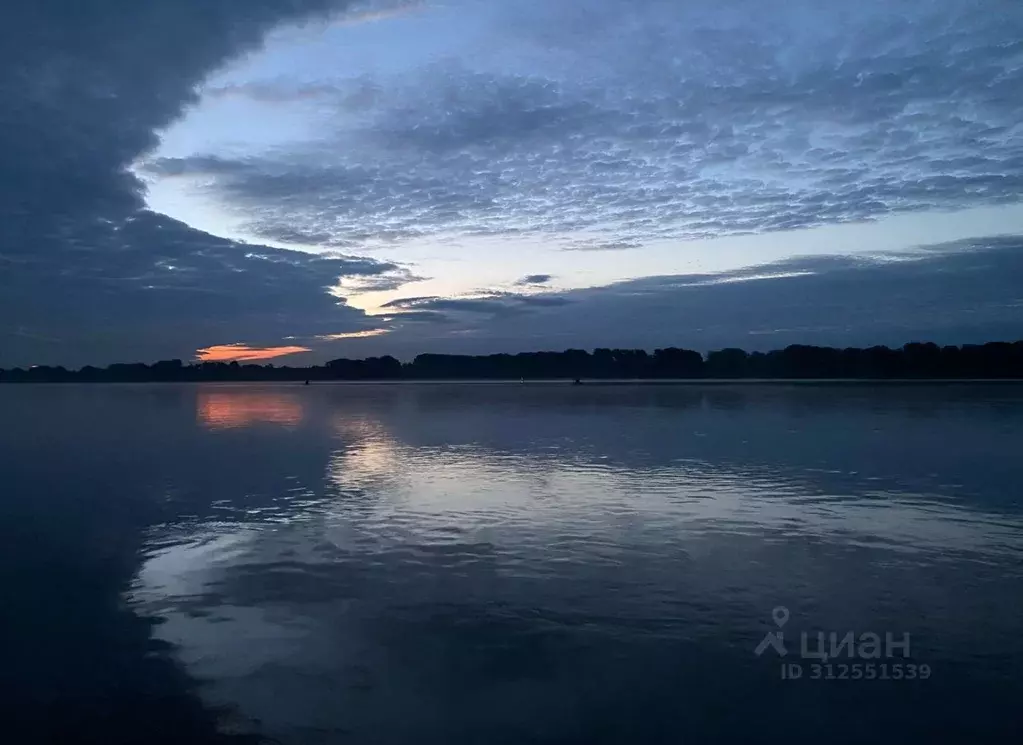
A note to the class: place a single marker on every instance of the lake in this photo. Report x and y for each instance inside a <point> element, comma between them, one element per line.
<point>495,563</point>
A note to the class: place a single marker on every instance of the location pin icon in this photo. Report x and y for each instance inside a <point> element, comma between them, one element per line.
<point>780,615</point>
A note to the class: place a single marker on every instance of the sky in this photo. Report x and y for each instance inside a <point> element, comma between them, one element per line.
<point>300,180</point>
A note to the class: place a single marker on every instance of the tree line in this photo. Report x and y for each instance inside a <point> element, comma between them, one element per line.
<point>799,361</point>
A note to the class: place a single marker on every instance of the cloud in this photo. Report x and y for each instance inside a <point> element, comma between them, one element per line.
<point>952,293</point>
<point>420,316</point>
<point>366,334</point>
<point>244,353</point>
<point>152,287</point>
<point>275,92</point>
<point>76,114</point>
<point>646,120</point>
<point>380,11</point>
<point>349,95</point>
<point>89,274</point>
<point>393,278</point>
<point>542,301</point>
<point>591,244</point>
<point>961,292</point>
<point>492,304</point>
<point>534,279</point>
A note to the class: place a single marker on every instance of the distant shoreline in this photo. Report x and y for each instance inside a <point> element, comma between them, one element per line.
<point>912,363</point>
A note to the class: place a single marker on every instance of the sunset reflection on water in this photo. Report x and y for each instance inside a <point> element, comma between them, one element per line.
<point>231,408</point>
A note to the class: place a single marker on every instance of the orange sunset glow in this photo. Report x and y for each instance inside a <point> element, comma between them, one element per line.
<point>227,409</point>
<point>244,353</point>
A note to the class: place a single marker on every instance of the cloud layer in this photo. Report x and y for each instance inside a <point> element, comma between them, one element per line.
<point>646,120</point>
<point>963,292</point>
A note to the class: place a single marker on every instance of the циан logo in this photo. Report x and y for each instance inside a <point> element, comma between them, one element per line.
<point>849,646</point>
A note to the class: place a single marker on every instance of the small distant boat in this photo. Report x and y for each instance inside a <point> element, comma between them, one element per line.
<point>577,382</point>
<point>306,383</point>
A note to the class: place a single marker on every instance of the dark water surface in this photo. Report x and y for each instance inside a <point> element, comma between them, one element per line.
<point>509,564</point>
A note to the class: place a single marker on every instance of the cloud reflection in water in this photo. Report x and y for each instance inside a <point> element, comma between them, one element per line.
<point>469,554</point>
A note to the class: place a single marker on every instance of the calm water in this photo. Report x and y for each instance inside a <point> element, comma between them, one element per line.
<point>508,564</point>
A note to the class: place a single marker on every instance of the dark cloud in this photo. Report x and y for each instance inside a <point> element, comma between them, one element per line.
<point>542,301</point>
<point>493,304</point>
<point>420,316</point>
<point>534,279</point>
<point>952,293</point>
<point>87,85</point>
<point>148,286</point>
<point>88,275</point>
<point>651,120</point>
